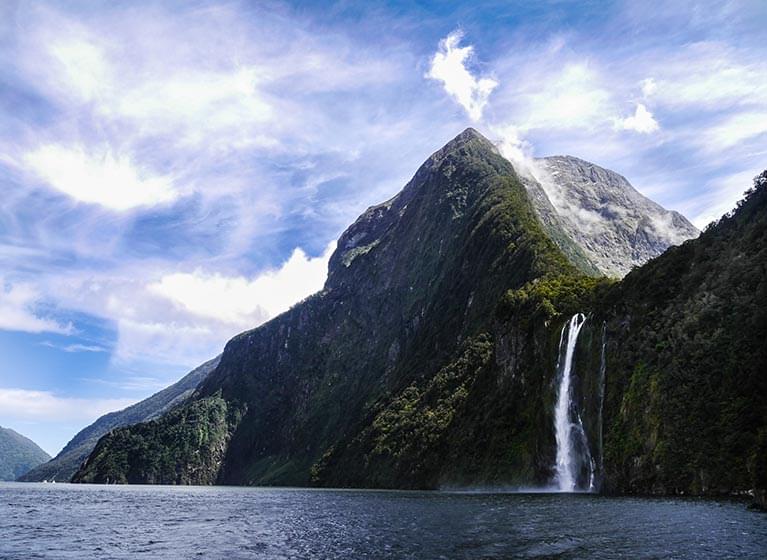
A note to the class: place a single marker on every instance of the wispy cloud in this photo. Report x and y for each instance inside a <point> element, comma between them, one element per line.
<point>131,383</point>
<point>98,179</point>
<point>24,405</point>
<point>449,66</point>
<point>73,348</point>
<point>733,130</point>
<point>18,312</point>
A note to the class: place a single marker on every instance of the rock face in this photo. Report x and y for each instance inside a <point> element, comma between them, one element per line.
<point>18,454</point>
<point>66,463</point>
<point>616,226</point>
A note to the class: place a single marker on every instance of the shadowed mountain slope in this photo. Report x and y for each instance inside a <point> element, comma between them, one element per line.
<point>430,358</point>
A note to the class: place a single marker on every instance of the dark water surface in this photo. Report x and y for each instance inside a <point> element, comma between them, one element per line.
<point>81,521</point>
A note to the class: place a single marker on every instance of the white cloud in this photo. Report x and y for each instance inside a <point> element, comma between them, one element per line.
<point>241,301</point>
<point>511,144</point>
<point>198,104</point>
<point>664,227</point>
<point>73,348</point>
<point>641,121</point>
<point>516,149</point>
<point>571,98</point>
<point>710,75</point>
<point>113,182</point>
<point>590,221</point>
<point>169,317</point>
<point>25,405</point>
<point>734,130</point>
<point>82,67</point>
<point>17,311</point>
<point>649,87</point>
<point>448,65</point>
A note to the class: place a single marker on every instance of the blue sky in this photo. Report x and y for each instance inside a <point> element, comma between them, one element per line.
<point>175,173</point>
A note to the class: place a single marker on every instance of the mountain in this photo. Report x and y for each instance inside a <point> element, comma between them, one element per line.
<point>461,341</point>
<point>18,454</point>
<point>686,393</point>
<point>66,463</point>
<point>411,292</point>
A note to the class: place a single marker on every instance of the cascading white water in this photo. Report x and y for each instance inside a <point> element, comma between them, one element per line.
<point>568,426</point>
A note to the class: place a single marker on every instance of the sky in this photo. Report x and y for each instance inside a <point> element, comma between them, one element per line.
<point>173,173</point>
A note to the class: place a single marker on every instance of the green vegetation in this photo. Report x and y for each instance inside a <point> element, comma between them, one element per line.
<point>184,447</point>
<point>686,380</point>
<point>18,454</point>
<point>68,461</point>
<point>403,442</point>
<point>555,296</point>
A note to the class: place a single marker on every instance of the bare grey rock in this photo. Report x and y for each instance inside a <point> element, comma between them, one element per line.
<point>617,227</point>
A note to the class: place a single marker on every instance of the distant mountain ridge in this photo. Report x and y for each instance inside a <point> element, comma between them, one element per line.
<point>18,454</point>
<point>66,463</point>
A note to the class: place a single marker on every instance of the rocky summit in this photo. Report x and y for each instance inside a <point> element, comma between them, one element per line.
<point>453,316</point>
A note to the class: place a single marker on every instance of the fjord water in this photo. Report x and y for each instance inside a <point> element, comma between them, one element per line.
<point>84,521</point>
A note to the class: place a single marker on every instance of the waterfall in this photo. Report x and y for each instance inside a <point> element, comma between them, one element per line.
<point>574,468</point>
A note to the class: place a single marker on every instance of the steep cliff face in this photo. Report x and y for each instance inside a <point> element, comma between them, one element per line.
<point>410,300</point>
<point>68,461</point>
<point>611,222</point>
<point>18,454</point>
<point>686,406</point>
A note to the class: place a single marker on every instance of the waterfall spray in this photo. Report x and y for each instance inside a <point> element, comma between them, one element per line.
<point>572,444</point>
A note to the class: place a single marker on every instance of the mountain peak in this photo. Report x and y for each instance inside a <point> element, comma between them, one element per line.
<point>470,133</point>
<point>459,154</point>
<point>468,136</point>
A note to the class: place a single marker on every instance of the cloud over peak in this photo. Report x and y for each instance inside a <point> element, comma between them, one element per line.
<point>641,121</point>
<point>449,66</point>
